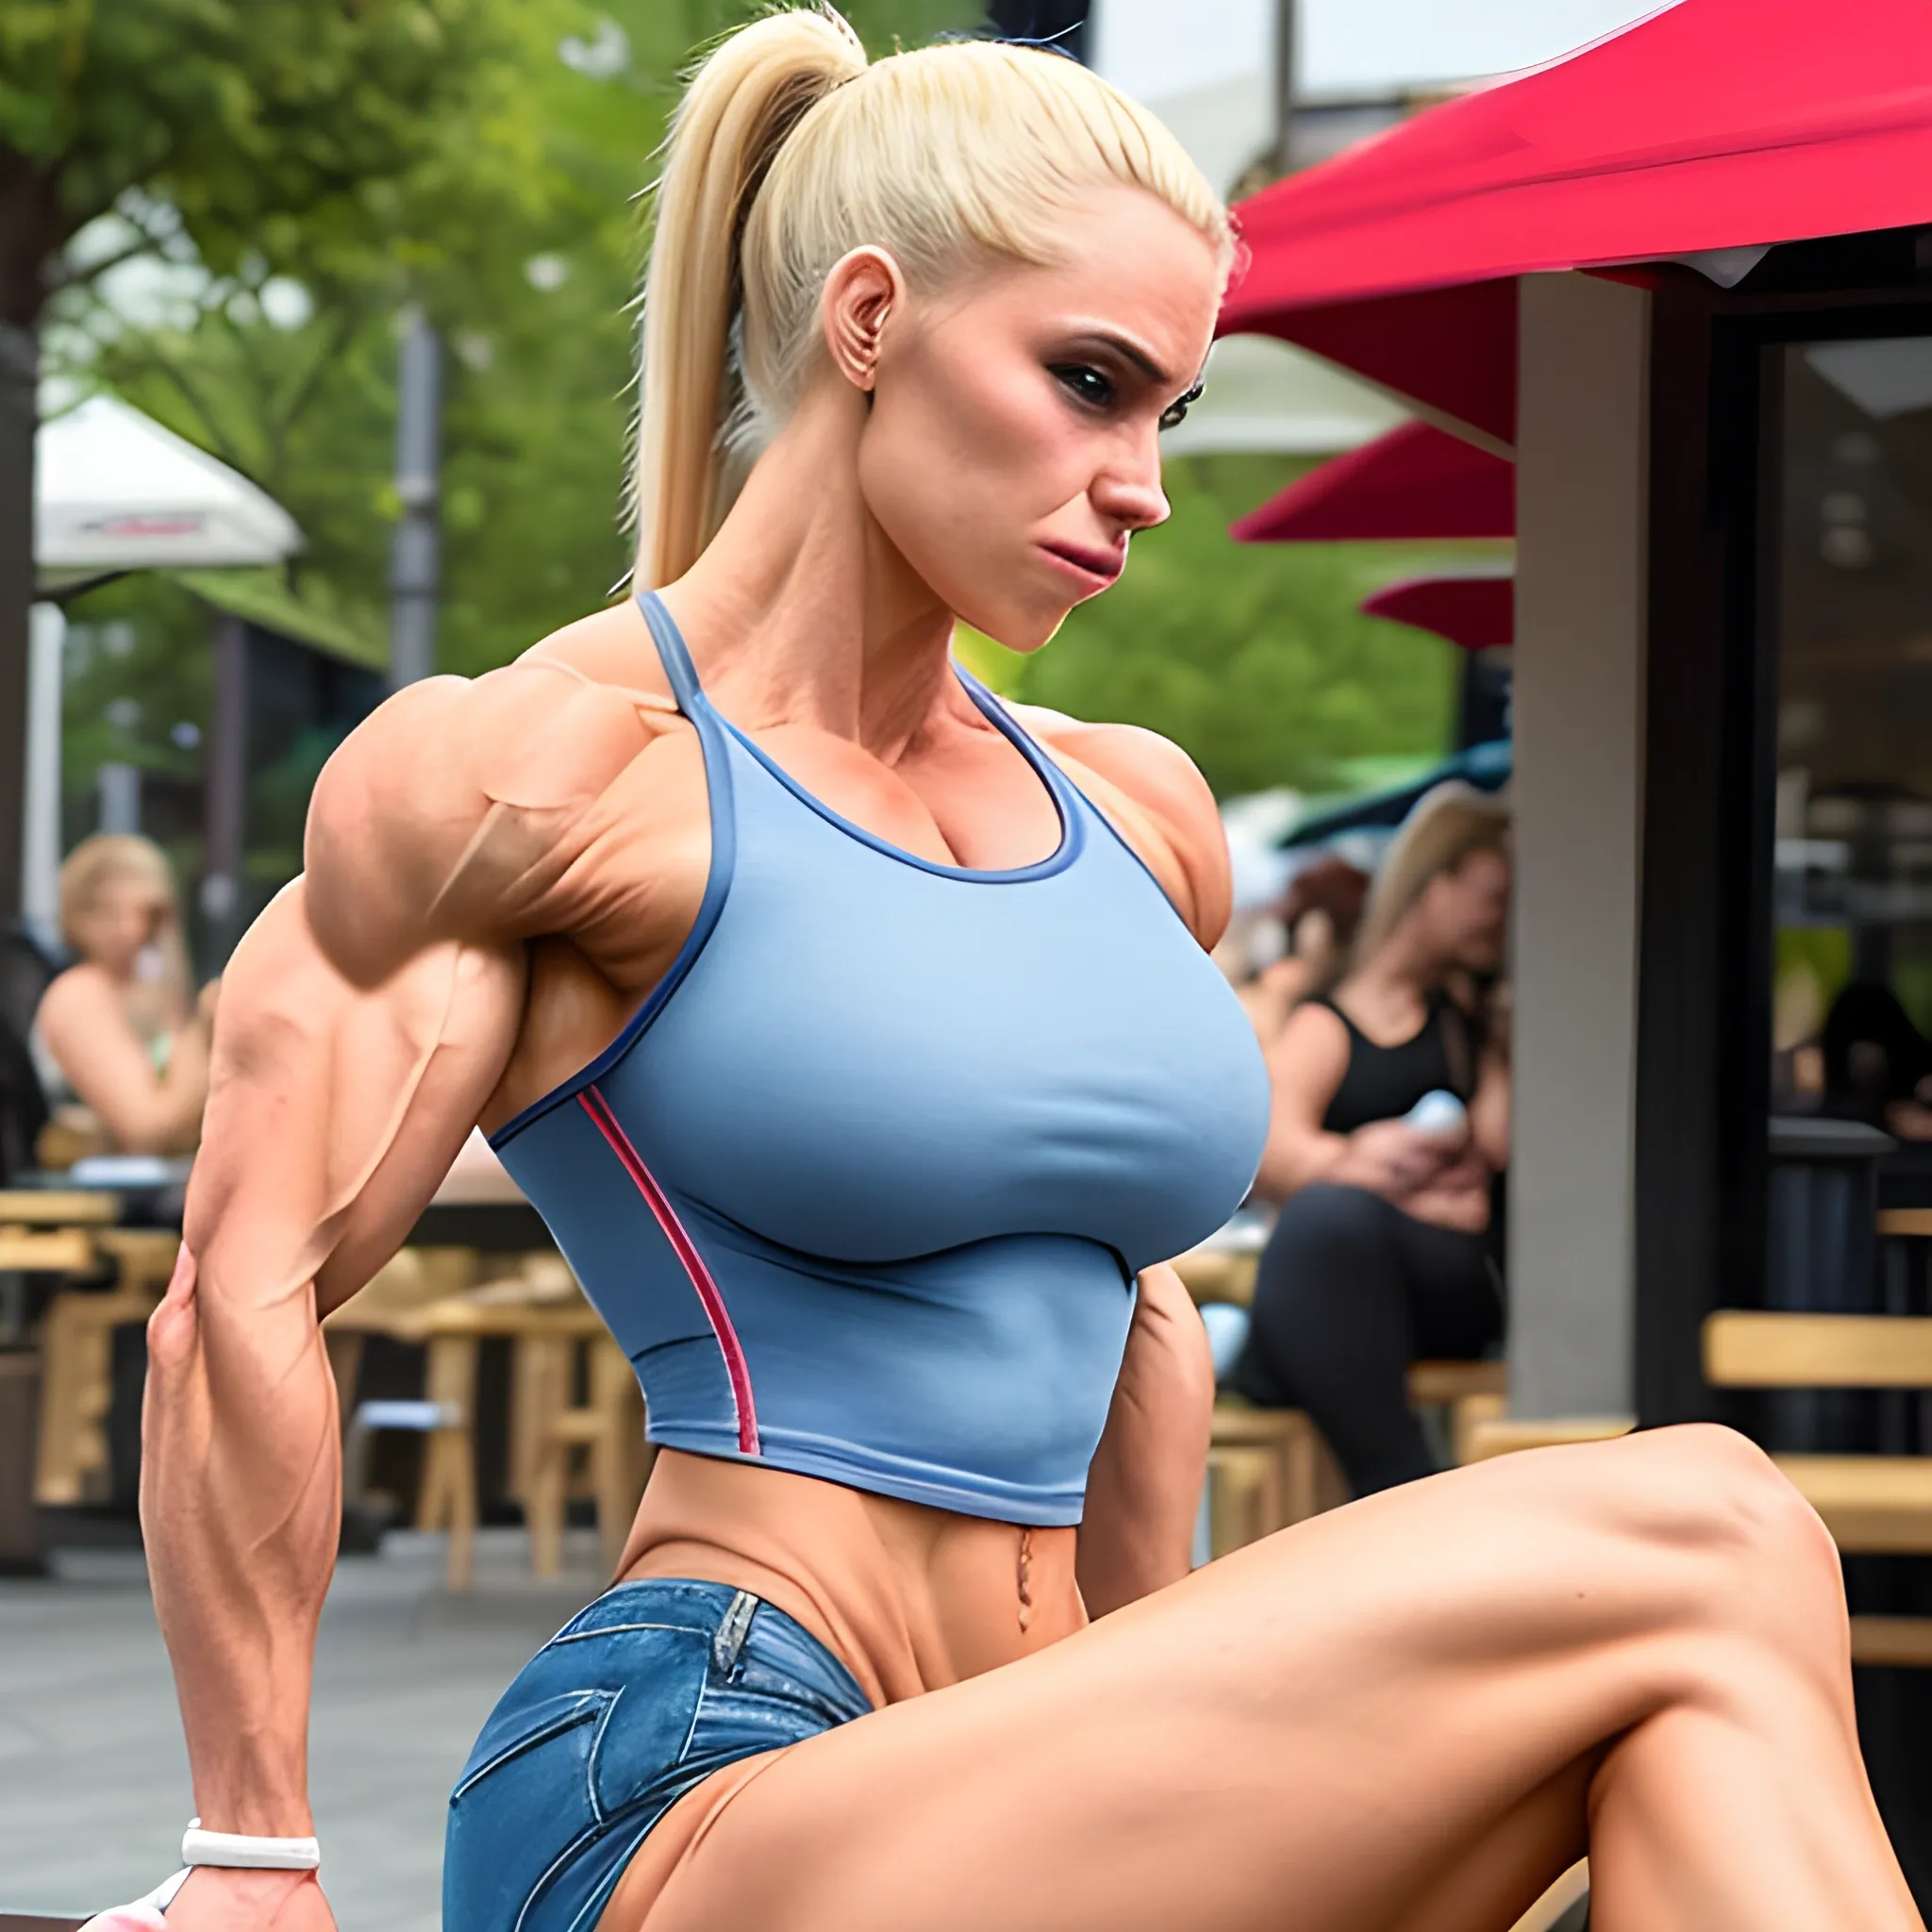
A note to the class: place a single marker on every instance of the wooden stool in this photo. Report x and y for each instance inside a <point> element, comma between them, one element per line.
<point>547,1329</point>
<point>1218,1274</point>
<point>609,1426</point>
<point>1267,1469</point>
<point>76,1347</point>
<point>1872,1505</point>
<point>1562,1904</point>
<point>1506,1435</point>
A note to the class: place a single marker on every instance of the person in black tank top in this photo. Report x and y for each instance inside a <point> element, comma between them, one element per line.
<point>1383,1253</point>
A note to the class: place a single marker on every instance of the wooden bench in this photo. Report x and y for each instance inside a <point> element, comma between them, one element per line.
<point>77,1338</point>
<point>1872,1505</point>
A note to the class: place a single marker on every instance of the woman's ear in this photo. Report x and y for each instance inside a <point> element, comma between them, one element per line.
<point>863,293</point>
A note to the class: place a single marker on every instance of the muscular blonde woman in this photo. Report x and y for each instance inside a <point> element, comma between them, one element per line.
<point>857,1038</point>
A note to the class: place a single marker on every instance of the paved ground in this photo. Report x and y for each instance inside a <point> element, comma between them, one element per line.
<point>93,1780</point>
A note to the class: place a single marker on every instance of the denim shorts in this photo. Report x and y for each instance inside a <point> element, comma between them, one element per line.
<point>633,1702</point>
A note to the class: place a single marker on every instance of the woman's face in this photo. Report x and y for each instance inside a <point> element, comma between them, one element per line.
<point>1013,445</point>
<point>122,917</point>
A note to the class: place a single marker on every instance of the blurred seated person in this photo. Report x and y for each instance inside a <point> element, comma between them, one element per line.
<point>1797,1051</point>
<point>1382,1253</point>
<point>119,1039</point>
<point>1316,918</point>
<point>1877,1064</point>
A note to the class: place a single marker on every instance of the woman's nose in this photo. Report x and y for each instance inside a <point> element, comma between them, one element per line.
<point>1132,498</point>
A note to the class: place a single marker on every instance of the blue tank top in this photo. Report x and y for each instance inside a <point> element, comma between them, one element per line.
<point>862,1188</point>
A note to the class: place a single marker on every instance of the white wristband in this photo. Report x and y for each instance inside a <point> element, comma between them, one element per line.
<point>234,1851</point>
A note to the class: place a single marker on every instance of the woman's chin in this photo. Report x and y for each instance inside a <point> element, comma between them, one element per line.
<point>1024,631</point>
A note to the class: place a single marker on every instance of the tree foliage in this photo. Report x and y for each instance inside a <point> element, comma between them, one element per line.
<point>525,253</point>
<point>264,131</point>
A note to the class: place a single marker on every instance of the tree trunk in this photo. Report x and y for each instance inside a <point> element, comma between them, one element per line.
<point>19,375</point>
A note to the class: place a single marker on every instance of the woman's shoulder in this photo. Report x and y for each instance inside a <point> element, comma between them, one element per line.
<point>458,797</point>
<point>79,996</point>
<point>1156,797</point>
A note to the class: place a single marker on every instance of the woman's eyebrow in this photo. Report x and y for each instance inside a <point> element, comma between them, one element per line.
<point>1130,352</point>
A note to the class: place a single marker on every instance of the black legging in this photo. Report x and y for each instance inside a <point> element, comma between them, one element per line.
<point>1349,1292</point>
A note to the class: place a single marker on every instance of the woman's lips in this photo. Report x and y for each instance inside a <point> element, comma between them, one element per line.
<point>1098,566</point>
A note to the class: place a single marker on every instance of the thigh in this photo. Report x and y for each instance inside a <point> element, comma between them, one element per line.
<point>1455,1306</point>
<point>1328,1298</point>
<point>1315,1731</point>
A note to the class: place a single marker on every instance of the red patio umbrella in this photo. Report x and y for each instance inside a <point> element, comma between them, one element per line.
<point>1710,124</point>
<point>1478,613</point>
<point>1416,481</point>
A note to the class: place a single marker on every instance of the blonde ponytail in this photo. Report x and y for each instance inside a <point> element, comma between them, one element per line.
<point>776,168</point>
<point>740,107</point>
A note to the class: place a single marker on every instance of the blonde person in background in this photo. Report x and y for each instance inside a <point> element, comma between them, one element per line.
<point>121,1040</point>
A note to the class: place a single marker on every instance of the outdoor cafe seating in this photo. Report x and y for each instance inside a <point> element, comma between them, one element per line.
<point>480,1274</point>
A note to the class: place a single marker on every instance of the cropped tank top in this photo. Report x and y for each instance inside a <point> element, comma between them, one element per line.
<point>862,1188</point>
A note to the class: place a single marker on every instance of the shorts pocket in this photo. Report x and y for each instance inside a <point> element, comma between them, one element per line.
<point>590,1735</point>
<point>522,1801</point>
<point>523,1727</point>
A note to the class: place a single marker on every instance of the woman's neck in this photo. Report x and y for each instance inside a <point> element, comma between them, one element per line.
<point>1396,978</point>
<point>801,610</point>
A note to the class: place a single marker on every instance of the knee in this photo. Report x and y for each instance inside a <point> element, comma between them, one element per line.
<point>1754,1542</point>
<point>1329,1218</point>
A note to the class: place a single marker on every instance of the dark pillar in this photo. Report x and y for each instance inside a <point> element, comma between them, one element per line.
<point>19,375</point>
<point>20,1389</point>
<point>416,558</point>
<point>224,790</point>
<point>1284,86</point>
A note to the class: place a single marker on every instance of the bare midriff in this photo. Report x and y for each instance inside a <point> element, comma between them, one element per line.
<point>908,1598</point>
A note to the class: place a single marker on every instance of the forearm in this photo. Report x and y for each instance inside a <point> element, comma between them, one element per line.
<point>1143,1489</point>
<point>241,1509</point>
<point>1297,1159</point>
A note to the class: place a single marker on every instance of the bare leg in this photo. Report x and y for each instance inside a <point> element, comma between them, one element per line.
<point>1398,1716</point>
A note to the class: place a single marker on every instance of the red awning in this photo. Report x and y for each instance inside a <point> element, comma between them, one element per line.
<point>1416,481</point>
<point>1478,613</point>
<point>1709,125</point>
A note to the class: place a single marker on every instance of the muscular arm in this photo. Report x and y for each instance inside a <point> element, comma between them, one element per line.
<point>364,1021</point>
<point>336,1109</point>
<point>1144,1486</point>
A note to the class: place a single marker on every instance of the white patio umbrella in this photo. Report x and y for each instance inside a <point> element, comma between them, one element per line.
<point>114,491</point>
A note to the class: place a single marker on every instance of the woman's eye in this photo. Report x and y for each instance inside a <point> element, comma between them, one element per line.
<point>1087,385</point>
<point>1177,411</point>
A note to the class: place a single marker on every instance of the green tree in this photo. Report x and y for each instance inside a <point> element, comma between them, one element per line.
<point>241,133</point>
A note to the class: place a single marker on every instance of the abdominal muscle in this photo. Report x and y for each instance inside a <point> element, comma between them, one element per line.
<point>908,1598</point>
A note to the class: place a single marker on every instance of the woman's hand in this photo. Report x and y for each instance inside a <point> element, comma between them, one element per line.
<point>223,1900</point>
<point>1391,1159</point>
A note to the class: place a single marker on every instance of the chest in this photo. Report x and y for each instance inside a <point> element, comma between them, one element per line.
<point>870,1060</point>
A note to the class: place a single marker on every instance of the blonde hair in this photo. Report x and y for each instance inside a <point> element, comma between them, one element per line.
<point>98,862</point>
<point>1444,827</point>
<point>788,150</point>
